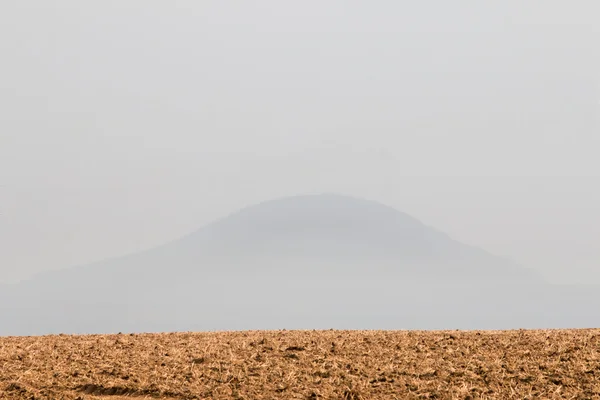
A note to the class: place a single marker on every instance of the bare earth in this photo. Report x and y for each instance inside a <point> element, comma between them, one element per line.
<point>553,364</point>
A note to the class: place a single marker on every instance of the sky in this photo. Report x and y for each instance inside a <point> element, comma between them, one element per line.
<point>125,125</point>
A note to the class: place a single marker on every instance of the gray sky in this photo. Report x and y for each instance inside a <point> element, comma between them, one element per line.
<point>128,124</point>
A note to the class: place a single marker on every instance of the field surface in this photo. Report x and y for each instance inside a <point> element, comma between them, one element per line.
<point>553,364</point>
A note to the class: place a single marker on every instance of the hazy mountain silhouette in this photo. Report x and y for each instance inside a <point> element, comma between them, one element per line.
<point>300,262</point>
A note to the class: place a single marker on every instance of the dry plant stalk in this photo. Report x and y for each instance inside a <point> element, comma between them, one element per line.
<point>351,365</point>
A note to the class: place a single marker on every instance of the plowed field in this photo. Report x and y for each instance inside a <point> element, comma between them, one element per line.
<point>553,364</point>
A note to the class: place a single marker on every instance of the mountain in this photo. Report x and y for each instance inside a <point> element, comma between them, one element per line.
<point>299,262</point>
<point>332,235</point>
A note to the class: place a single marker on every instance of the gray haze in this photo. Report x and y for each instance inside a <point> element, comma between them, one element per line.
<point>300,262</point>
<point>125,125</point>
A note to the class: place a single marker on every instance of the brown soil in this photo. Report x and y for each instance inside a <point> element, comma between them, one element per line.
<point>553,364</point>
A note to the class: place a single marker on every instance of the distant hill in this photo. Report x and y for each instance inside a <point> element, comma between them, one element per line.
<point>302,261</point>
<point>326,235</point>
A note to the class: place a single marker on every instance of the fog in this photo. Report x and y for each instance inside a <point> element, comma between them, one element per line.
<point>127,125</point>
<point>302,262</point>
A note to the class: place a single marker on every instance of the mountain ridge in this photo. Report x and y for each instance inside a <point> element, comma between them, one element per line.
<point>303,262</point>
<point>239,229</point>
<point>220,223</point>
